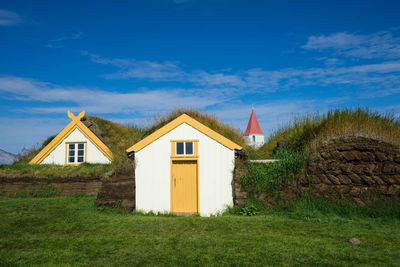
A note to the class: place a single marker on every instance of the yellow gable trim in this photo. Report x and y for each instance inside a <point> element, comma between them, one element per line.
<point>184,118</point>
<point>74,124</point>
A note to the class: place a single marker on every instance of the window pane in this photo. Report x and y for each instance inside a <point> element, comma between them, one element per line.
<point>189,148</point>
<point>80,159</point>
<point>71,159</point>
<point>80,146</point>
<point>71,146</point>
<point>72,153</point>
<point>80,152</point>
<point>179,148</point>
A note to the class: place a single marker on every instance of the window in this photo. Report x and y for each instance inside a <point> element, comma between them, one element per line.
<point>76,153</point>
<point>254,138</point>
<point>184,148</point>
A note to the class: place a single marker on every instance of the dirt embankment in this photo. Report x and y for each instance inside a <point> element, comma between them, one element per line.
<point>11,186</point>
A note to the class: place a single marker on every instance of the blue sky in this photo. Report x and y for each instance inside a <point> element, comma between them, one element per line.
<point>130,60</point>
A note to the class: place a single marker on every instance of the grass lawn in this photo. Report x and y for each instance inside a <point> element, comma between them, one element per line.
<point>72,231</point>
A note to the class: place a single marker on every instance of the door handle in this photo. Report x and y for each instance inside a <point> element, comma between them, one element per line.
<point>174,181</point>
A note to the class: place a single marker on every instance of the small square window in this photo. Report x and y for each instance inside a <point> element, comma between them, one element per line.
<point>76,153</point>
<point>189,148</point>
<point>179,148</point>
<point>184,148</point>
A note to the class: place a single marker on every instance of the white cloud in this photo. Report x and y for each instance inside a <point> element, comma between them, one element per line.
<point>100,101</point>
<point>381,44</point>
<point>131,68</point>
<point>165,71</point>
<point>9,18</point>
<point>369,77</point>
<point>61,39</point>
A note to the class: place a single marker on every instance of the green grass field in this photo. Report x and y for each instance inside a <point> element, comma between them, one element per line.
<point>72,231</point>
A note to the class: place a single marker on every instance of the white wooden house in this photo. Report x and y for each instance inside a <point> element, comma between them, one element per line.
<point>74,145</point>
<point>184,167</point>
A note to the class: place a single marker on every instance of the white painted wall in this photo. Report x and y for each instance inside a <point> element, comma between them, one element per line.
<point>259,140</point>
<point>153,173</point>
<point>94,155</point>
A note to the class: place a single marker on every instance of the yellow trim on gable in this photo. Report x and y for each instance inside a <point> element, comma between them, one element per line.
<point>74,124</point>
<point>184,118</point>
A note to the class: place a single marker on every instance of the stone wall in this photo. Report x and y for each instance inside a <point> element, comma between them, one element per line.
<point>10,186</point>
<point>356,168</point>
<point>240,195</point>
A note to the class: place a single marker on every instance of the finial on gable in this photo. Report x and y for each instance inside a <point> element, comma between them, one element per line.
<point>73,117</point>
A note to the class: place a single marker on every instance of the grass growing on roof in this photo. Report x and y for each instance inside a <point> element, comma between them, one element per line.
<point>208,120</point>
<point>51,171</point>
<point>72,231</point>
<point>118,138</point>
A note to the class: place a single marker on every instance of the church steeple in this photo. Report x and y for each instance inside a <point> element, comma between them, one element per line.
<point>253,127</point>
<point>253,133</point>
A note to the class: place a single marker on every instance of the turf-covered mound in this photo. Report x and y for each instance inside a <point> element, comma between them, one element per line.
<point>309,132</point>
<point>345,153</point>
<point>116,136</point>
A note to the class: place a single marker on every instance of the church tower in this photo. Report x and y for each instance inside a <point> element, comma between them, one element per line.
<point>253,134</point>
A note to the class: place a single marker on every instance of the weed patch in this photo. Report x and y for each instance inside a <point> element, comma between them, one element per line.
<point>272,177</point>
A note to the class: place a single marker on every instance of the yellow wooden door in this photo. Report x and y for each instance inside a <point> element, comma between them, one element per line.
<point>184,186</point>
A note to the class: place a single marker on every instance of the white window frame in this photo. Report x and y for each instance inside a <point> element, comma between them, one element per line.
<point>184,148</point>
<point>76,156</point>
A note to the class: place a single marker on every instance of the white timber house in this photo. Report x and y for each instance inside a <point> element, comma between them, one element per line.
<point>184,168</point>
<point>74,145</point>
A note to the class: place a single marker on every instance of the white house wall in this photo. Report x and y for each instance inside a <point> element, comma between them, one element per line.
<point>94,155</point>
<point>153,173</point>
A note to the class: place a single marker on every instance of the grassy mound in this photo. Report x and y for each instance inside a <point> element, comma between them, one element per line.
<point>292,144</point>
<point>305,133</point>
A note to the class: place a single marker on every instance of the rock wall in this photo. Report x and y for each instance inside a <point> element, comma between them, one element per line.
<point>11,186</point>
<point>356,168</point>
<point>240,195</point>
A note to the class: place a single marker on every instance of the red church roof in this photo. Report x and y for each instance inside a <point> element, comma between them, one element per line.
<point>253,127</point>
